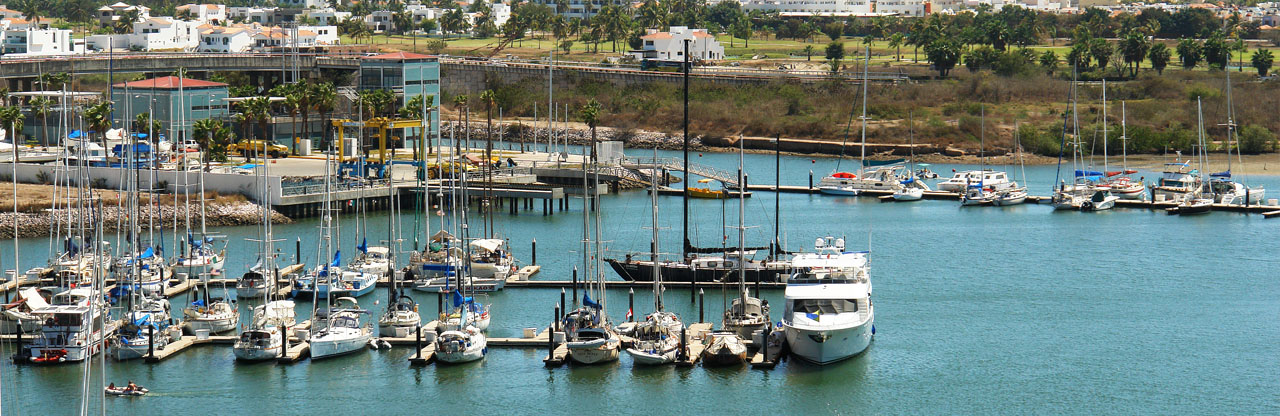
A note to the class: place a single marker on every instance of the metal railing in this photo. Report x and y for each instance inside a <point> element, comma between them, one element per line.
<point>675,164</point>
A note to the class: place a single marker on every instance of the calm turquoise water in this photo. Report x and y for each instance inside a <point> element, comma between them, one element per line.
<point>980,310</point>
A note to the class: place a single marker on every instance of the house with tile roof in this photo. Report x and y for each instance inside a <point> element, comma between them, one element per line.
<point>109,14</point>
<point>669,45</point>
<point>212,13</point>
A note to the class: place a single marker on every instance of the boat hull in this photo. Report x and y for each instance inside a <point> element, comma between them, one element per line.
<point>594,352</point>
<point>326,348</point>
<point>835,344</point>
<point>214,326</point>
<point>252,354</point>
<point>643,272</point>
<point>641,357</point>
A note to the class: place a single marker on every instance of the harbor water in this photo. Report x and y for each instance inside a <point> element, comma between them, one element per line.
<point>978,310</point>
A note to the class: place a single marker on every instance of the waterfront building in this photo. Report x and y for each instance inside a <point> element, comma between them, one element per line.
<point>669,45</point>
<point>326,16</point>
<point>21,37</point>
<point>108,15</point>
<point>177,103</point>
<point>406,74</point>
<point>210,13</point>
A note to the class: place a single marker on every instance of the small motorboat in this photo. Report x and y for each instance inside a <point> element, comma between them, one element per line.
<point>126,391</point>
<point>723,348</point>
<point>1192,206</point>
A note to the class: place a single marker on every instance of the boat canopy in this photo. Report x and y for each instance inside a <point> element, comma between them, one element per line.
<point>442,235</point>
<point>908,181</point>
<point>488,244</point>
<point>882,162</point>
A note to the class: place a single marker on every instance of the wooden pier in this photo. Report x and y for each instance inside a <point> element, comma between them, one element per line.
<point>180,345</point>
<point>693,344</point>
<point>767,358</point>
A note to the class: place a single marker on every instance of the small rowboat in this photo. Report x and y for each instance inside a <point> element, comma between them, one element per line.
<point>125,391</point>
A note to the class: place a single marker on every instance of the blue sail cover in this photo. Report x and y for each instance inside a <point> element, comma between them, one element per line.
<point>1226,174</point>
<point>908,181</point>
<point>364,246</point>
<point>459,300</point>
<point>144,320</point>
<point>151,252</point>
<point>195,245</point>
<point>586,300</point>
<point>1080,173</point>
<point>337,259</point>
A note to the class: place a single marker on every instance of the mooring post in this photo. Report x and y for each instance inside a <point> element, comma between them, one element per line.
<point>151,340</point>
<point>439,303</point>
<point>417,329</point>
<point>533,248</point>
<point>284,344</point>
<point>631,302</point>
<point>810,180</point>
<point>555,324</point>
<point>574,284</point>
<point>702,297</point>
<point>297,251</point>
<point>558,316</point>
<point>693,283</point>
<point>551,338</point>
<point>684,352</point>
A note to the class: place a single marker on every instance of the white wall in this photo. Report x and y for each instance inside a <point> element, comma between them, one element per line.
<point>223,183</point>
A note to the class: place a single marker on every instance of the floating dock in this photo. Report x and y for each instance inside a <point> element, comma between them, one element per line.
<point>693,344</point>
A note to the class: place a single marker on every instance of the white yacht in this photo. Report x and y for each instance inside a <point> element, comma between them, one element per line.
<point>1227,191</point>
<point>461,345</point>
<point>491,264</point>
<point>961,180</point>
<point>17,314</point>
<point>829,316</point>
<point>339,330</point>
<point>589,340</point>
<point>265,337</point>
<point>374,260</point>
<point>1177,181</point>
<point>253,283</point>
<point>73,329</point>
<point>1101,200</point>
<point>879,178</point>
<point>657,339</point>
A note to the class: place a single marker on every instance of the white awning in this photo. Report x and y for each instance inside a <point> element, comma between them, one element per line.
<point>488,244</point>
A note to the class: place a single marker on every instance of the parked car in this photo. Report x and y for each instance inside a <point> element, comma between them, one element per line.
<point>259,147</point>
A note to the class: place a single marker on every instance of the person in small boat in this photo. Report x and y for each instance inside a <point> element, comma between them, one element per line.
<point>111,386</point>
<point>131,386</point>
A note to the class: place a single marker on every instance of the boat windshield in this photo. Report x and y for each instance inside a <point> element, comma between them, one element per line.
<point>824,306</point>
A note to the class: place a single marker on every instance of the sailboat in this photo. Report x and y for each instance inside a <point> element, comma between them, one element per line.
<point>990,183</point>
<point>1225,189</point>
<point>657,338</point>
<point>338,326</point>
<point>883,177</point>
<point>829,315</point>
<point>401,317</point>
<point>746,314</point>
<point>1200,200</point>
<point>460,340</point>
<point>1121,185</point>
<point>316,283</point>
<point>145,328</point>
<point>1015,194</point>
<point>913,187</point>
<point>201,256</point>
<point>589,334</point>
<point>265,337</point>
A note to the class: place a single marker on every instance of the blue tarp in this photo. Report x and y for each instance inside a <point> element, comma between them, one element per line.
<point>1226,174</point>
<point>151,252</point>
<point>137,148</point>
<point>75,134</point>
<point>1080,173</point>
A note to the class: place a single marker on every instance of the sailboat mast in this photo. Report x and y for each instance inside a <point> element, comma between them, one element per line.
<point>742,243</point>
<point>1104,127</point>
<point>684,196</point>
<point>1124,139</point>
<point>653,244</point>
<point>862,159</point>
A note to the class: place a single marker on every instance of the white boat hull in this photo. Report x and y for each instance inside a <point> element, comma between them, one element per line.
<point>134,350</point>
<point>594,351</point>
<point>333,347</point>
<point>652,357</point>
<point>838,344</point>
<point>913,194</point>
<point>214,326</point>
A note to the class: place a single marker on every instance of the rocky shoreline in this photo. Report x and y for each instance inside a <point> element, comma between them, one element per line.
<point>219,215</point>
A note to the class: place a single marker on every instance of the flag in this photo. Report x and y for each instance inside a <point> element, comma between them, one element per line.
<point>812,316</point>
<point>628,314</point>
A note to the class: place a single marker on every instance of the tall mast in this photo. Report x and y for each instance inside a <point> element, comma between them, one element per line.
<point>1104,126</point>
<point>684,245</point>
<point>742,243</point>
<point>1124,139</point>
<point>862,159</point>
<point>653,244</point>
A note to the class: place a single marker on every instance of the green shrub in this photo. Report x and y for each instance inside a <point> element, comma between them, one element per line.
<point>1255,139</point>
<point>1204,92</point>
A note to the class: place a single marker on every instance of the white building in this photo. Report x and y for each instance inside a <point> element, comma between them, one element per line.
<point>153,34</point>
<point>109,14</point>
<point>304,4</point>
<point>669,46</point>
<point>18,37</point>
<point>225,39</point>
<point>6,13</point>
<point>252,14</point>
<point>320,35</point>
<point>216,13</point>
<point>326,16</point>
<point>801,8</point>
<point>909,8</point>
<point>379,21</point>
<point>582,8</point>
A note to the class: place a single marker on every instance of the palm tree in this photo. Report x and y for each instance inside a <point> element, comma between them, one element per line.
<point>488,98</point>
<point>11,117</point>
<point>213,138</point>
<point>99,117</point>
<point>323,98</point>
<point>125,23</point>
<point>896,42</point>
<point>142,123</point>
<point>590,113</point>
<point>460,105</point>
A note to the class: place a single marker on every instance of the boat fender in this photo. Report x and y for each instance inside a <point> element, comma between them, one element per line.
<point>873,329</point>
